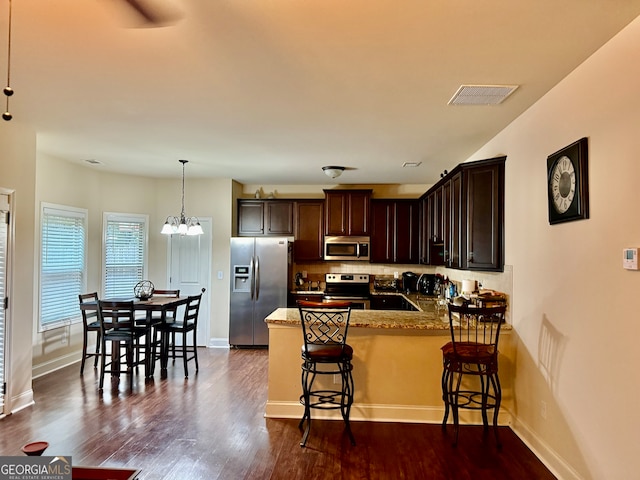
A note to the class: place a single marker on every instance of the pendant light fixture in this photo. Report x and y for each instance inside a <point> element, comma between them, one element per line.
<point>182,225</point>
<point>8,91</point>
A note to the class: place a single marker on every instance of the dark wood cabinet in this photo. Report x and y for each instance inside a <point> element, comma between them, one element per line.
<point>463,218</point>
<point>347,212</point>
<point>308,228</point>
<point>386,302</point>
<point>395,233</point>
<point>265,218</point>
<point>484,195</point>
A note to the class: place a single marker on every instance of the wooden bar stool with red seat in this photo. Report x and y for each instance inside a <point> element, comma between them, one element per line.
<point>325,352</point>
<point>472,357</point>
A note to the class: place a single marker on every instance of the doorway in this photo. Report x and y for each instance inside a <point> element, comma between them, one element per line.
<point>190,271</point>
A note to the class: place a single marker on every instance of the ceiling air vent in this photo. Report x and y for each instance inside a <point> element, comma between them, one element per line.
<point>482,94</point>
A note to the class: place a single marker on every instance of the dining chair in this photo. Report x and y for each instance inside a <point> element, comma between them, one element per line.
<point>470,364</point>
<point>156,317</point>
<point>324,331</point>
<point>118,326</point>
<point>188,324</point>
<point>90,323</point>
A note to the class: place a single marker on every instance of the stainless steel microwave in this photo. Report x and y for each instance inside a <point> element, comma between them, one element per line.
<point>347,248</point>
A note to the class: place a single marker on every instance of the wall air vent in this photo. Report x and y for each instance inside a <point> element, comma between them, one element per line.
<point>481,94</point>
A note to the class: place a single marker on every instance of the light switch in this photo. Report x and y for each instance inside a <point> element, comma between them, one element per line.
<point>219,274</point>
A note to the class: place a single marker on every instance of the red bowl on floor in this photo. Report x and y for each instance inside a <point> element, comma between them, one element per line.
<point>35,448</point>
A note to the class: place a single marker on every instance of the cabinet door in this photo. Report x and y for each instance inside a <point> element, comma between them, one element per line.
<point>309,237</point>
<point>406,232</point>
<point>484,191</point>
<point>347,212</point>
<point>336,213</point>
<point>386,302</point>
<point>358,213</point>
<point>394,231</point>
<point>457,256</point>
<point>250,218</point>
<point>278,218</point>
<point>382,216</point>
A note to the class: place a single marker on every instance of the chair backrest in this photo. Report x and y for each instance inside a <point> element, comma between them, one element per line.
<point>166,293</point>
<point>324,323</point>
<point>191,310</point>
<point>116,315</point>
<point>89,315</point>
<point>476,325</point>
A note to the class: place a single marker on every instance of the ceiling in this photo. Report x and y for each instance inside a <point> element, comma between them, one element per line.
<point>269,91</point>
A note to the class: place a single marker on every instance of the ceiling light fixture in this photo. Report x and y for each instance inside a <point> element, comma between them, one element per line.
<point>8,91</point>
<point>333,171</point>
<point>182,225</point>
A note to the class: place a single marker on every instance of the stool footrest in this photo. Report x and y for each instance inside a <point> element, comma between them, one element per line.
<point>472,400</point>
<point>324,399</point>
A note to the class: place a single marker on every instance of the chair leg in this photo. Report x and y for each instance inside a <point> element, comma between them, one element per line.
<point>497,390</point>
<point>347,398</point>
<point>84,349</point>
<point>306,389</point>
<point>195,349</point>
<point>455,398</point>
<point>97,354</point>
<point>445,396</point>
<point>103,365</point>
<point>185,357</point>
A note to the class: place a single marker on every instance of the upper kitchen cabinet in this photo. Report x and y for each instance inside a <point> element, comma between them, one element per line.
<point>347,212</point>
<point>395,231</point>
<point>265,218</point>
<point>463,218</point>
<point>309,225</point>
<point>484,197</point>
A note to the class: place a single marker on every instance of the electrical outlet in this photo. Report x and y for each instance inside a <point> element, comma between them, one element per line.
<point>543,409</point>
<point>336,379</point>
<point>219,274</point>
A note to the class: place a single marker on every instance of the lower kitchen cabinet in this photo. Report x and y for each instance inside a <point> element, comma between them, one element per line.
<point>386,302</point>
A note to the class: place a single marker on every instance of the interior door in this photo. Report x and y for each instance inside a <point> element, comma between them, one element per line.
<point>190,271</point>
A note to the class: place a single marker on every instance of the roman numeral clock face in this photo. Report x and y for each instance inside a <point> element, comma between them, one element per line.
<point>567,183</point>
<point>563,184</point>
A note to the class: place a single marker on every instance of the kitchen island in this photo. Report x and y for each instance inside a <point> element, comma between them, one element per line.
<point>397,366</point>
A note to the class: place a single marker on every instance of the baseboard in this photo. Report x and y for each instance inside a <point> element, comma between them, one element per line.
<point>47,367</point>
<point>381,413</point>
<point>24,400</point>
<point>221,342</point>
<point>554,462</point>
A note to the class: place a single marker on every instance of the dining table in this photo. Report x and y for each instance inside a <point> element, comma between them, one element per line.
<point>149,306</point>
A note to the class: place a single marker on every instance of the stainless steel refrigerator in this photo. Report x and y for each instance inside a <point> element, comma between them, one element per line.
<point>260,275</point>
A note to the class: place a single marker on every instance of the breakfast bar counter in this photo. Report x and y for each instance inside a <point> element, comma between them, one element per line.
<point>397,366</point>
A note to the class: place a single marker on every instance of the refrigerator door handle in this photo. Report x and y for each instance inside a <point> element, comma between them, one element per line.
<point>252,278</point>
<point>257,278</point>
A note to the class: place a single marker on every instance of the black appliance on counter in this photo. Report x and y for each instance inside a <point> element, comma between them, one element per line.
<point>410,282</point>
<point>352,287</point>
<point>428,284</point>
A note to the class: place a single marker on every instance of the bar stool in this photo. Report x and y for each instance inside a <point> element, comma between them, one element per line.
<point>326,353</point>
<point>472,352</point>
<point>90,323</point>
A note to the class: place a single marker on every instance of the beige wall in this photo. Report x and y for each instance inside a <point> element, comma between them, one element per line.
<point>573,304</point>
<point>17,176</point>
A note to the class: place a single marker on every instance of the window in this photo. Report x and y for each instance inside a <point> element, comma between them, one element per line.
<point>125,253</point>
<point>63,266</point>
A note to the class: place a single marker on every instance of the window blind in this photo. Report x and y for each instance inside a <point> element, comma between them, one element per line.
<point>62,265</point>
<point>124,254</point>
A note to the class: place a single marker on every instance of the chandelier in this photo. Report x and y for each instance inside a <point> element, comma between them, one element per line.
<point>182,225</point>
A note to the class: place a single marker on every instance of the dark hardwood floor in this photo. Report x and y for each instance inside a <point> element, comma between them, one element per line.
<point>211,426</point>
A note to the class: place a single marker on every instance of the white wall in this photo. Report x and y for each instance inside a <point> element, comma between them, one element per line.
<point>574,307</point>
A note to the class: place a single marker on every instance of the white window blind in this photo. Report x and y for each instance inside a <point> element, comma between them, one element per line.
<point>125,253</point>
<point>62,264</point>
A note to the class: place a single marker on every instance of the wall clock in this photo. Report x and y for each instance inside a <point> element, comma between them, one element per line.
<point>567,183</point>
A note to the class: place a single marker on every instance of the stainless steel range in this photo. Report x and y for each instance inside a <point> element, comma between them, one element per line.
<point>352,287</point>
